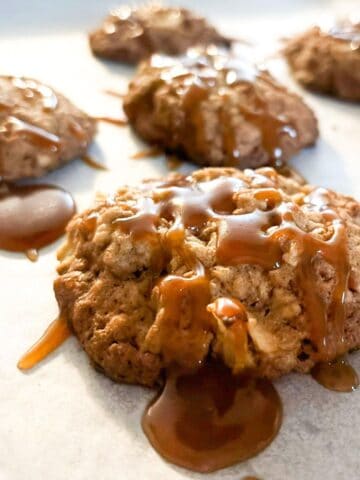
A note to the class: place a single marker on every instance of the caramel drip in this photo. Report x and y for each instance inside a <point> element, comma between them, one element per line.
<point>199,77</point>
<point>93,163</point>
<point>12,128</point>
<point>33,216</point>
<point>183,303</point>
<point>33,90</point>
<point>56,334</point>
<point>78,131</point>
<point>32,254</point>
<point>272,127</point>
<point>209,419</point>
<point>150,152</point>
<point>173,162</point>
<point>119,122</point>
<point>112,93</point>
<point>260,237</point>
<point>141,224</point>
<point>336,375</point>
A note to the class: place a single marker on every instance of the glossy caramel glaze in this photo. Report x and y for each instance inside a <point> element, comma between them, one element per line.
<point>56,334</point>
<point>32,216</point>
<point>217,110</point>
<point>209,419</point>
<point>13,127</point>
<point>336,375</point>
<point>202,74</point>
<point>258,238</point>
<point>33,90</point>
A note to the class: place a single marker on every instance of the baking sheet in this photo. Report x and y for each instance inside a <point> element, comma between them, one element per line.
<point>65,421</point>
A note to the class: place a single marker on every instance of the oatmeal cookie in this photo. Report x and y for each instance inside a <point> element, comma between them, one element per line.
<point>133,34</point>
<point>217,110</point>
<point>251,268</point>
<point>328,61</point>
<point>40,129</point>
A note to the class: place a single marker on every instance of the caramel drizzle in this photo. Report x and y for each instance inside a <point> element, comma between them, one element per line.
<point>194,82</point>
<point>32,90</point>
<point>12,128</point>
<point>54,336</point>
<point>78,131</point>
<point>119,122</point>
<point>113,93</point>
<point>149,152</point>
<point>257,238</point>
<point>88,160</point>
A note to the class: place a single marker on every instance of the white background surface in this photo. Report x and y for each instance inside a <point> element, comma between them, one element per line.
<point>65,421</point>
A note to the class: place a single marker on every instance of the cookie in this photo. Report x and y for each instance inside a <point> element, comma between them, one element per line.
<point>40,129</point>
<point>251,268</point>
<point>217,110</point>
<point>328,61</point>
<point>133,34</point>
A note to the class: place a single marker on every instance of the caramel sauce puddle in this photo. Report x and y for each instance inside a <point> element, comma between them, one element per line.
<point>33,216</point>
<point>210,419</point>
<point>337,375</point>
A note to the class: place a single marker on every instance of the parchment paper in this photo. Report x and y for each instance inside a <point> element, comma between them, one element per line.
<point>65,421</point>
